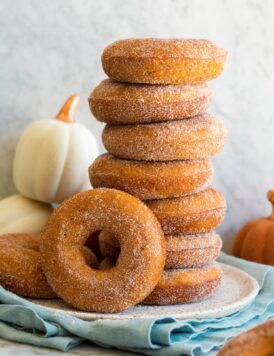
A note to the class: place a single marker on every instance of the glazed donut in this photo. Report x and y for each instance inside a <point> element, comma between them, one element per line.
<point>183,251</point>
<point>163,61</point>
<point>192,214</point>
<point>140,262</point>
<point>258,341</point>
<point>119,103</point>
<point>20,267</point>
<point>199,137</point>
<point>151,180</point>
<point>185,285</point>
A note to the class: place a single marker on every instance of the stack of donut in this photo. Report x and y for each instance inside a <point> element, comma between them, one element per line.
<point>160,250</point>
<point>159,140</point>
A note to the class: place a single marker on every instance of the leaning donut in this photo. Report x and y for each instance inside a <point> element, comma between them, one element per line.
<point>140,263</point>
<point>151,180</point>
<point>163,61</point>
<point>198,137</point>
<point>118,103</point>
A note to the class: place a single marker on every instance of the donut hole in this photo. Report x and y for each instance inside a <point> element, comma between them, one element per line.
<point>105,264</point>
<point>92,243</point>
<point>110,249</point>
<point>107,253</point>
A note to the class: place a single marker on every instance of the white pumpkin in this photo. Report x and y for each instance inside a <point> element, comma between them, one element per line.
<point>53,155</point>
<point>20,214</point>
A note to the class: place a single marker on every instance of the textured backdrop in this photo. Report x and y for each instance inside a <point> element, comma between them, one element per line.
<point>50,49</point>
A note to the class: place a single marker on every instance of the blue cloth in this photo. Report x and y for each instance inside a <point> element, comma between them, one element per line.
<point>23,321</point>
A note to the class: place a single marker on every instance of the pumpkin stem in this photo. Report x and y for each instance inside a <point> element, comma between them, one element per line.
<point>66,114</point>
<point>270,197</point>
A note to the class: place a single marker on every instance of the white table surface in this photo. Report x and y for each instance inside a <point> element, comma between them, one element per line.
<point>8,348</point>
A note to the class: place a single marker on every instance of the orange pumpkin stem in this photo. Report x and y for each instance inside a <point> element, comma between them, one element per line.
<point>67,112</point>
<point>270,197</point>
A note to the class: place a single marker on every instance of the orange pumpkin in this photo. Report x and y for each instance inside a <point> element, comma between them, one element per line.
<point>255,241</point>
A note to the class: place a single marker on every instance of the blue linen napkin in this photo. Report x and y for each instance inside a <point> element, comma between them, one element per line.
<point>23,321</point>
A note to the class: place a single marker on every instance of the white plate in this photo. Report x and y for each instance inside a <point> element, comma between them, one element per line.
<point>236,291</point>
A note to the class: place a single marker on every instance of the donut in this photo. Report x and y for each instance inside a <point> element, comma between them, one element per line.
<point>178,286</point>
<point>198,137</point>
<point>185,285</point>
<point>140,263</point>
<point>258,341</point>
<point>191,251</point>
<point>20,267</point>
<point>163,61</point>
<point>118,103</point>
<point>183,251</point>
<point>151,180</point>
<point>192,214</point>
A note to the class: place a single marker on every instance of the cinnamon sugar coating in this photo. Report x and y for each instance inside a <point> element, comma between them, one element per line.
<point>257,341</point>
<point>183,251</point>
<point>185,285</point>
<point>163,61</point>
<point>20,267</point>
<point>177,286</point>
<point>192,214</point>
<point>140,263</point>
<point>198,137</point>
<point>118,103</point>
<point>192,251</point>
<point>151,180</point>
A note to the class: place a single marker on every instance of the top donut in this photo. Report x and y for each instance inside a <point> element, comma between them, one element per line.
<point>163,61</point>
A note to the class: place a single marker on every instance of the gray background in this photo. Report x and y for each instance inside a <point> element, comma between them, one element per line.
<point>50,49</point>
